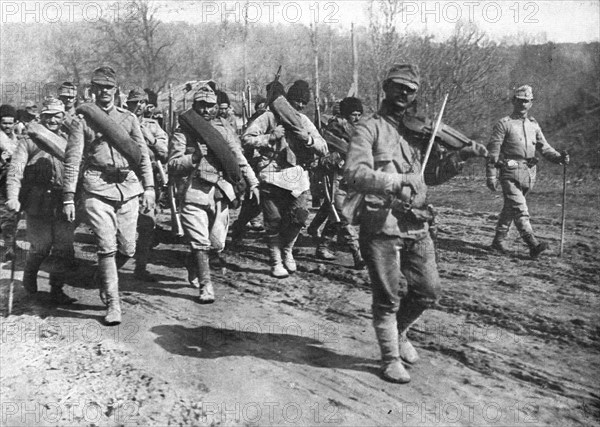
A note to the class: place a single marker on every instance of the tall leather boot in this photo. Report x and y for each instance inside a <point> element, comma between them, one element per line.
<point>57,294</point>
<point>277,268</point>
<point>387,336</point>
<point>107,267</point>
<point>30,272</point>
<point>190,264</point>
<point>499,243</point>
<point>207,293</point>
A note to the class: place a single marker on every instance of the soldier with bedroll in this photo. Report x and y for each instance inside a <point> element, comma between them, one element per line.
<point>107,150</point>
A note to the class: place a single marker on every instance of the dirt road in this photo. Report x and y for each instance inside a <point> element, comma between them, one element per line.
<point>511,342</point>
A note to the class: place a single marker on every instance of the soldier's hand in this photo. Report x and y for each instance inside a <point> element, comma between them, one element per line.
<point>412,180</point>
<point>148,200</point>
<point>492,183</point>
<point>565,158</point>
<point>473,150</point>
<point>13,205</point>
<point>69,211</point>
<point>277,133</point>
<point>254,194</point>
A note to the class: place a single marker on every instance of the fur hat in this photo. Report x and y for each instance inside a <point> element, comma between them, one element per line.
<point>349,105</point>
<point>299,91</point>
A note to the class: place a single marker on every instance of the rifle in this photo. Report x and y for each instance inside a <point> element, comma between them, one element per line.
<point>11,286</point>
<point>176,226</point>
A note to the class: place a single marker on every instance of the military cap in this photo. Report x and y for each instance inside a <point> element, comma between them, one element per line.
<point>406,74</point>
<point>67,89</point>
<point>299,91</point>
<point>52,105</point>
<point>137,94</point>
<point>222,97</point>
<point>104,76</point>
<point>7,110</point>
<point>206,94</point>
<point>524,92</point>
<point>259,100</point>
<point>349,105</point>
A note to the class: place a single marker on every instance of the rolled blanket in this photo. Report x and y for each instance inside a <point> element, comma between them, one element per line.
<point>47,140</point>
<point>114,132</point>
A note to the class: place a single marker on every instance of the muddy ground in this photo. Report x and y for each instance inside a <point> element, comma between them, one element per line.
<point>511,342</point>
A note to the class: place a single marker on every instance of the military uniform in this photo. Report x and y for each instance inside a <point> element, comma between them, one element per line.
<point>384,163</point>
<point>35,178</point>
<point>205,194</point>
<point>513,144</point>
<point>157,141</point>
<point>8,145</point>
<point>110,186</point>
<point>341,128</point>
<point>284,180</point>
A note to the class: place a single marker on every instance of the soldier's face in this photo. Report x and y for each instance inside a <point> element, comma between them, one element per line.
<point>52,122</point>
<point>522,106</point>
<point>223,109</point>
<point>205,109</point>
<point>105,94</point>
<point>69,101</point>
<point>7,125</point>
<point>136,107</point>
<point>399,94</point>
<point>354,117</point>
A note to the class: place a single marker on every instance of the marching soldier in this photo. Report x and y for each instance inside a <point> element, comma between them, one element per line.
<point>157,142</point>
<point>201,162</point>
<point>287,143</point>
<point>513,144</point>
<point>8,144</point>
<point>35,177</point>
<point>384,164</point>
<point>106,143</point>
<point>224,110</point>
<point>339,129</point>
<point>67,93</point>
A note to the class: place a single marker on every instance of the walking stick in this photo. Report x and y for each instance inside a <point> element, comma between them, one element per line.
<point>564,211</point>
<point>11,286</point>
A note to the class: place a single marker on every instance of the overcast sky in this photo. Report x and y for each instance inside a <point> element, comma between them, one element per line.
<point>561,21</point>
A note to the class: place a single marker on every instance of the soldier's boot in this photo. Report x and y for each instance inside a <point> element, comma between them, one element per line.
<point>499,244</point>
<point>218,261</point>
<point>107,269</point>
<point>407,351</point>
<point>206,293</point>
<point>277,268</point>
<point>142,253</point>
<point>535,247</point>
<point>526,231</point>
<point>287,250</point>
<point>359,262</point>
<point>30,272</point>
<point>392,368</point>
<point>324,249</point>
<point>409,312</point>
<point>57,294</point>
<point>190,264</point>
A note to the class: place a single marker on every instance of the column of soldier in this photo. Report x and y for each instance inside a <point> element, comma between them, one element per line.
<point>96,164</point>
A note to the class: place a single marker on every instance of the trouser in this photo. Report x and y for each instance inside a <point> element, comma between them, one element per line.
<point>284,214</point>
<point>205,227</point>
<point>515,189</point>
<point>8,225</point>
<point>250,209</point>
<point>388,258</point>
<point>44,234</point>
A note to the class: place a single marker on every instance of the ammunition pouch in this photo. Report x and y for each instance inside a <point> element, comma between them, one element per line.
<point>415,216</point>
